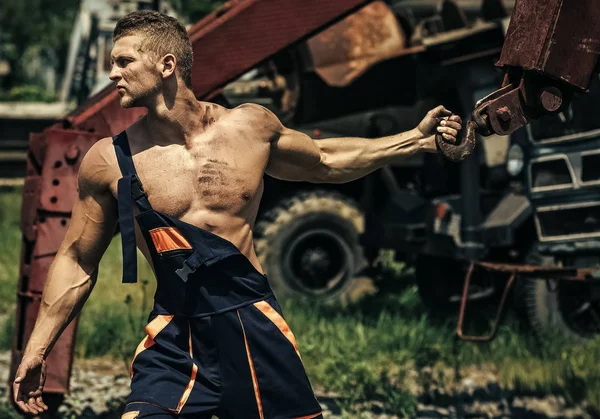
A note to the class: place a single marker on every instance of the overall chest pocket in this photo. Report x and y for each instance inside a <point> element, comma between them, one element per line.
<point>168,240</point>
<point>172,248</point>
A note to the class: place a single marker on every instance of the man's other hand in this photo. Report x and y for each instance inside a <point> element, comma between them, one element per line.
<point>29,383</point>
<point>438,121</point>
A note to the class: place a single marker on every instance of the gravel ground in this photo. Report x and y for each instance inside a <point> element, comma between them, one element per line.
<point>99,387</point>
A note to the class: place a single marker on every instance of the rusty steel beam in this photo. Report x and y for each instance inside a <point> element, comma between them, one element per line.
<point>557,38</point>
<point>463,307</point>
<point>522,270</point>
<point>263,28</point>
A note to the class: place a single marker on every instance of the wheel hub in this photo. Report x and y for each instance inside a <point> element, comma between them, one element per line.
<point>317,262</point>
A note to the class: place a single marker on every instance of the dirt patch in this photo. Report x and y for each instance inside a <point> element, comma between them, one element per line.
<point>100,386</point>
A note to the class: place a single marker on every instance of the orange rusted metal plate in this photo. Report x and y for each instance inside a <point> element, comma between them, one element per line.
<point>50,234</point>
<point>347,49</point>
<point>542,272</point>
<point>29,206</point>
<point>65,151</point>
<point>40,265</point>
<point>36,153</point>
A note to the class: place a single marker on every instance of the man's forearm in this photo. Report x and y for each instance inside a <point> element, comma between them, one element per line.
<point>67,288</point>
<point>347,159</point>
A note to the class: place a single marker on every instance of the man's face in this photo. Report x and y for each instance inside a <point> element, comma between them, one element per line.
<point>133,72</point>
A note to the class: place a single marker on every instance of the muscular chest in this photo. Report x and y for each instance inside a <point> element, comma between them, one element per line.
<point>214,175</point>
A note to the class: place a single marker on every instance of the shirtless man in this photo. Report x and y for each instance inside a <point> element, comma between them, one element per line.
<point>216,340</point>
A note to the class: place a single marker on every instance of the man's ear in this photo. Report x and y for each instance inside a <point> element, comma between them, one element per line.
<point>169,62</point>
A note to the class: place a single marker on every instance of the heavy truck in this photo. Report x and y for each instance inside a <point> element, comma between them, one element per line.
<point>371,68</point>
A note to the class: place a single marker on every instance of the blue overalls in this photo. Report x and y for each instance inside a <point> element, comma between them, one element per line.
<point>216,342</point>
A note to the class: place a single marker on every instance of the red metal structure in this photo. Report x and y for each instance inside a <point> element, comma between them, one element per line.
<point>233,40</point>
<point>551,50</point>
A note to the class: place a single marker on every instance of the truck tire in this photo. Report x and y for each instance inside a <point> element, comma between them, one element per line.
<point>560,308</point>
<point>308,245</point>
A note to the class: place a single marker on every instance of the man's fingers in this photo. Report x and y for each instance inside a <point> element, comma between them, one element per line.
<point>36,400</point>
<point>29,404</point>
<point>23,406</point>
<point>439,111</point>
<point>41,403</point>
<point>15,390</point>
<point>449,138</point>
<point>32,405</point>
<point>447,130</point>
<point>455,118</point>
<point>38,405</point>
<point>451,124</point>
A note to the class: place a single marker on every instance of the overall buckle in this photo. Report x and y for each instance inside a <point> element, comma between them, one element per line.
<point>185,271</point>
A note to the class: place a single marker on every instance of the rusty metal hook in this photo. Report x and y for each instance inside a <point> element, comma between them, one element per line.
<point>461,151</point>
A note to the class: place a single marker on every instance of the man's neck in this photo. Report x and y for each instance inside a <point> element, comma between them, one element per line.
<point>176,119</point>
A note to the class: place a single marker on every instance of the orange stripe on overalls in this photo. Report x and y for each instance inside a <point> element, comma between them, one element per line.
<point>152,329</point>
<point>253,371</point>
<point>168,238</point>
<point>279,321</point>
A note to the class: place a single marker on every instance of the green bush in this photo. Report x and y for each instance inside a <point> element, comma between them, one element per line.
<point>7,331</point>
<point>28,93</point>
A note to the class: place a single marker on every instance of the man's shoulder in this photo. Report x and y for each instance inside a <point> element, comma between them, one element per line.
<point>101,149</point>
<point>253,110</point>
<point>257,116</point>
<point>99,166</point>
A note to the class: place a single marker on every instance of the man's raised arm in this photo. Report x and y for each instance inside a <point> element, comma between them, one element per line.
<point>73,272</point>
<point>297,157</point>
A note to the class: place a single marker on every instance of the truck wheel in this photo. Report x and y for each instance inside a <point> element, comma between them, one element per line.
<point>563,308</point>
<point>308,245</point>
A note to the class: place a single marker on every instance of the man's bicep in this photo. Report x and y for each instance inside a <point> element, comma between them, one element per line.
<point>294,156</point>
<point>93,218</point>
<point>92,226</point>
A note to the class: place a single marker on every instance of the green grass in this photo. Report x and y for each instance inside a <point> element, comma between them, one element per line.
<point>10,247</point>
<point>364,352</point>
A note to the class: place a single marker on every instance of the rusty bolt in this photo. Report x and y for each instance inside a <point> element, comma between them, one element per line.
<point>72,154</point>
<point>551,98</point>
<point>503,113</point>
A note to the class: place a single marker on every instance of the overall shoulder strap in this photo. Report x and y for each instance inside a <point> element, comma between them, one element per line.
<point>129,190</point>
<point>128,171</point>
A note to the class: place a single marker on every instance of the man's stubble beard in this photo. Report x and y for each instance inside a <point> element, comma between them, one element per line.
<point>128,101</point>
